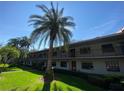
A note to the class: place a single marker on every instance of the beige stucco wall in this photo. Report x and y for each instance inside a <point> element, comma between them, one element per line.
<point>99,66</point>
<point>58,65</point>
<point>96,49</point>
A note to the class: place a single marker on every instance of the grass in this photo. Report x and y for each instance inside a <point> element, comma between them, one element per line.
<point>20,80</point>
<point>5,65</point>
<point>72,83</point>
<point>28,79</point>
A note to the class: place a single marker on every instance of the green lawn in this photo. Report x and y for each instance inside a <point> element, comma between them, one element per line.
<point>21,79</point>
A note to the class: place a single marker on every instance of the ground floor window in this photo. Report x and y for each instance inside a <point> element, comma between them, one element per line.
<point>87,65</point>
<point>53,64</point>
<point>63,64</point>
<point>112,66</point>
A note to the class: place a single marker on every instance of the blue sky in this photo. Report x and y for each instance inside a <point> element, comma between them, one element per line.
<point>92,18</point>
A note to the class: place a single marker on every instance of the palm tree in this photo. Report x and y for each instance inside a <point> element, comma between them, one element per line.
<point>24,42</point>
<point>51,27</point>
<point>20,42</point>
<point>14,42</point>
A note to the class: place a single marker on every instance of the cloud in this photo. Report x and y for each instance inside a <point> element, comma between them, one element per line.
<point>104,26</point>
<point>103,29</point>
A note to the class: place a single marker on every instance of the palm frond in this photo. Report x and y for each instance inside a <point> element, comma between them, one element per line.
<point>61,12</point>
<point>43,7</point>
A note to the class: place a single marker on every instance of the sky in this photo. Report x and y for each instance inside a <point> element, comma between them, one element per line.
<point>92,19</point>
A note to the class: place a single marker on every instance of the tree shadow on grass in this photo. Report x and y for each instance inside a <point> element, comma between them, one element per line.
<point>29,69</point>
<point>47,81</point>
<point>69,89</point>
<point>76,82</point>
<point>14,89</point>
<point>26,89</point>
<point>46,86</point>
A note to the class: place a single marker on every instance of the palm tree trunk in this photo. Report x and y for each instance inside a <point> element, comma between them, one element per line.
<point>49,63</point>
<point>49,73</point>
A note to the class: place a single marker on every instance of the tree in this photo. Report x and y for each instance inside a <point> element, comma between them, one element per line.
<point>0,44</point>
<point>21,43</point>
<point>24,42</point>
<point>51,27</point>
<point>14,42</point>
<point>9,55</point>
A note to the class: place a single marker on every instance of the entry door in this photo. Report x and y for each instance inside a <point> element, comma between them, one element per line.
<point>73,65</point>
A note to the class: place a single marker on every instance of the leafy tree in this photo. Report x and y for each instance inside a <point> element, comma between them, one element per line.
<point>9,55</point>
<point>20,42</point>
<point>51,27</point>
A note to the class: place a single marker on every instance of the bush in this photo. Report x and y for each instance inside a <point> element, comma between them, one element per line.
<point>116,86</point>
<point>105,81</point>
<point>9,54</point>
<point>96,80</point>
<point>113,78</point>
<point>79,74</point>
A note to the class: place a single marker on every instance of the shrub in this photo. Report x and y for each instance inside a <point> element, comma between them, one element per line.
<point>9,55</point>
<point>96,80</point>
<point>113,78</point>
<point>10,52</point>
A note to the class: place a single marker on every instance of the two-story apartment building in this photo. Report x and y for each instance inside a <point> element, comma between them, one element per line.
<point>101,55</point>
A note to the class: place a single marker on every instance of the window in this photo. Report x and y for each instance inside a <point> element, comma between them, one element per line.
<point>112,66</point>
<point>87,65</point>
<point>85,50</point>
<point>63,64</point>
<point>107,48</point>
<point>53,64</point>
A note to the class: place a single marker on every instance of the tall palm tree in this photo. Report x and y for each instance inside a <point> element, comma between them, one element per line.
<point>51,27</point>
